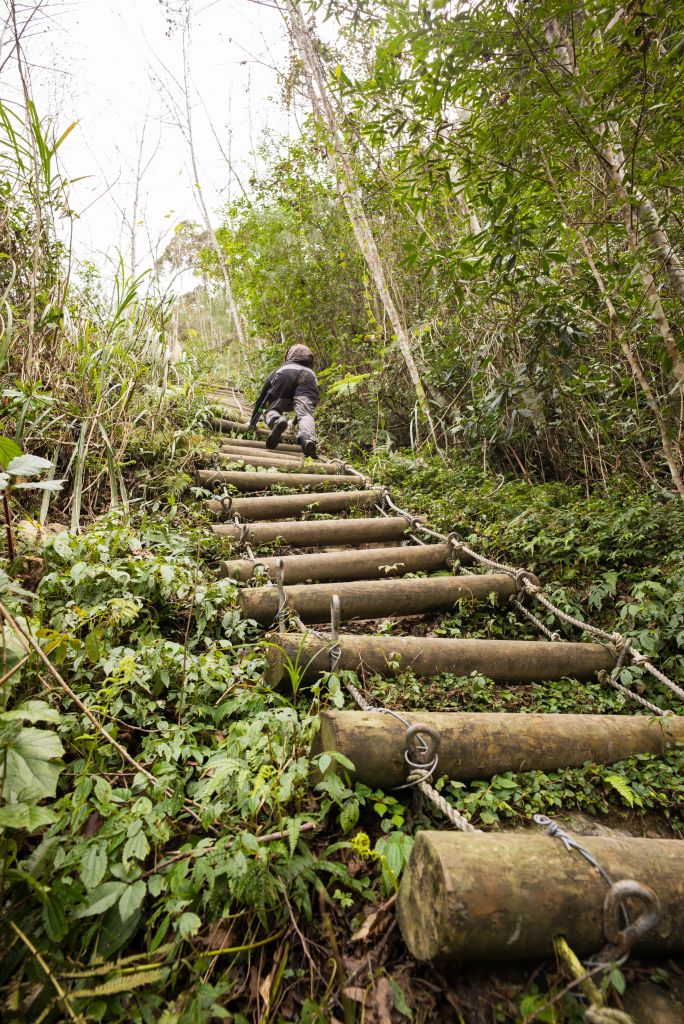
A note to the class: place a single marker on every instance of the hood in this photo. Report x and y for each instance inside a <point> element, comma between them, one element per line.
<point>300,354</point>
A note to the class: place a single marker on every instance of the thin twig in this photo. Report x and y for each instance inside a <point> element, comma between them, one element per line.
<point>30,643</point>
<point>61,994</point>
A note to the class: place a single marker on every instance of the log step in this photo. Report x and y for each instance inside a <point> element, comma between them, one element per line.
<point>505,896</point>
<point>264,481</point>
<point>245,450</point>
<point>319,532</point>
<point>481,744</point>
<point>244,442</point>
<point>229,426</point>
<point>280,463</point>
<point>375,599</point>
<point>226,402</point>
<point>284,505</point>
<point>504,661</point>
<point>372,563</point>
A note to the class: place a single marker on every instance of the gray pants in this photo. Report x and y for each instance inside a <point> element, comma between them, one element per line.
<point>303,410</point>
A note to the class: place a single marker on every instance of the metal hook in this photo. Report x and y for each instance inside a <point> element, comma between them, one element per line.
<point>620,940</point>
<point>420,754</point>
<point>335,650</point>
<point>282,600</point>
<point>422,744</point>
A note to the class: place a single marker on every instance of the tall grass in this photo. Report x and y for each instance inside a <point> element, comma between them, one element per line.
<point>87,375</point>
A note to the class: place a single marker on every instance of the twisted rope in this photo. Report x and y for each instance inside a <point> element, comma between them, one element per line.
<point>541,626</point>
<point>606,677</point>
<point>450,813</point>
<point>420,774</point>
<point>526,585</point>
<point>570,843</point>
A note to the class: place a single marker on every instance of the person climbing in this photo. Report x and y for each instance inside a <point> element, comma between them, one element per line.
<point>293,386</point>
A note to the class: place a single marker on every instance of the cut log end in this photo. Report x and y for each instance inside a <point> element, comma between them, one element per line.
<point>506,896</point>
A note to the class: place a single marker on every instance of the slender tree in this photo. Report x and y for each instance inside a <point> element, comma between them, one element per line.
<point>349,191</point>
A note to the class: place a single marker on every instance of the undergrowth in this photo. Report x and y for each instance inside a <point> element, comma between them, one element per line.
<point>167,886</point>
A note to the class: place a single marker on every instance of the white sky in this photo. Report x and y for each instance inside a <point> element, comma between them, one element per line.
<point>100,62</point>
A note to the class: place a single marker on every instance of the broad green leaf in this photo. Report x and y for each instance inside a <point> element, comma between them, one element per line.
<point>9,450</point>
<point>28,465</point>
<point>137,847</point>
<point>93,865</point>
<point>12,650</point>
<point>349,815</point>
<point>26,816</point>
<point>188,924</point>
<point>32,767</point>
<point>102,898</point>
<point>131,899</point>
<point>399,999</point>
<point>617,980</point>
<point>32,711</point>
<point>54,917</point>
<point>40,485</point>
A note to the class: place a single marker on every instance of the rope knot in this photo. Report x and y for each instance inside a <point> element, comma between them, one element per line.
<point>526,582</point>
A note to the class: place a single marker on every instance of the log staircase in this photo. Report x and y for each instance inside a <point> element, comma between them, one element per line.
<point>463,896</point>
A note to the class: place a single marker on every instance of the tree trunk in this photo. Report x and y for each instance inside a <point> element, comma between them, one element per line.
<point>633,206</point>
<point>638,373</point>
<point>350,194</point>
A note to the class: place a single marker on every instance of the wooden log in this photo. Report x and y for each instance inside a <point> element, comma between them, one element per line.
<point>279,463</point>
<point>373,563</point>
<point>244,481</point>
<point>319,531</point>
<point>245,442</point>
<point>267,453</point>
<point>228,402</point>
<point>230,426</point>
<point>505,896</point>
<point>479,745</point>
<point>284,505</point>
<point>504,661</point>
<point>374,599</point>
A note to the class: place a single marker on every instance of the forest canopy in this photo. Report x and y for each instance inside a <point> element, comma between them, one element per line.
<point>520,166</point>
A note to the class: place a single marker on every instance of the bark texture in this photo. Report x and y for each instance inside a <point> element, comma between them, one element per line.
<point>375,599</point>
<point>504,661</point>
<point>320,532</point>
<point>479,745</point>
<point>506,896</point>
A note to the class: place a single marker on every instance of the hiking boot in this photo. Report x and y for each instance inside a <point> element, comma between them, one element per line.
<point>309,449</point>
<point>277,431</point>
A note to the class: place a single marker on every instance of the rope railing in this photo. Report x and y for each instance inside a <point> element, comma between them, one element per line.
<point>527,586</point>
<point>420,776</point>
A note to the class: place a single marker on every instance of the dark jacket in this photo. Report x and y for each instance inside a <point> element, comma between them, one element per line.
<point>290,381</point>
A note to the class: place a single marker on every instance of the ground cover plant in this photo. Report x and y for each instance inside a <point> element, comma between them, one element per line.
<point>164,884</point>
